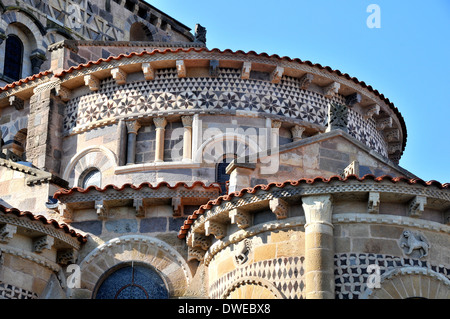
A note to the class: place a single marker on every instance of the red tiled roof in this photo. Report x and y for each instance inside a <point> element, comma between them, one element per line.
<point>66,192</point>
<point>43,220</point>
<point>25,80</point>
<point>191,219</point>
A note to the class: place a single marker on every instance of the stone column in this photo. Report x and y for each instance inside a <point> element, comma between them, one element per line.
<point>132,131</point>
<point>160,124</point>
<point>319,252</point>
<point>275,136</point>
<point>187,138</point>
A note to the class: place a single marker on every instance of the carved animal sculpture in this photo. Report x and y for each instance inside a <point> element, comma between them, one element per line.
<point>414,243</point>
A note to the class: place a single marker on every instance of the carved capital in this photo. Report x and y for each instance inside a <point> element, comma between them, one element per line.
<point>279,207</point>
<point>330,90</point>
<point>149,72</point>
<point>119,75</point>
<point>181,68</point>
<point>276,124</point>
<point>306,81</point>
<point>187,121</point>
<point>416,206</point>
<point>242,219</point>
<point>160,122</point>
<point>246,69</point>
<point>297,132</point>
<point>318,209</point>
<point>41,243</point>
<point>92,81</point>
<point>217,229</point>
<point>7,233</point>
<point>277,74</point>
<point>373,204</point>
<point>133,127</point>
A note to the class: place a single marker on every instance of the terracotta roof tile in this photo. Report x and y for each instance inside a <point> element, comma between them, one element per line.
<point>43,220</point>
<point>25,80</point>
<point>67,192</point>
<point>252,190</point>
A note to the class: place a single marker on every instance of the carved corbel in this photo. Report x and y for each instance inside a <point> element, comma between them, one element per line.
<point>66,212</point>
<point>101,209</point>
<point>416,206</point>
<point>149,72</point>
<point>119,75</point>
<point>246,69</point>
<point>353,99</point>
<point>447,218</point>
<point>17,102</point>
<point>63,93</point>
<point>181,68</point>
<point>242,219</point>
<point>306,81</point>
<point>66,257</point>
<point>41,243</point>
<point>330,90</point>
<point>384,122</point>
<point>177,206</point>
<point>196,254</point>
<point>92,81</point>
<point>7,233</point>
<point>199,240</point>
<point>138,204</point>
<point>217,229</point>
<point>214,68</point>
<point>277,74</point>
<point>371,111</point>
<point>279,207</point>
<point>373,205</point>
<point>392,135</point>
<point>394,148</point>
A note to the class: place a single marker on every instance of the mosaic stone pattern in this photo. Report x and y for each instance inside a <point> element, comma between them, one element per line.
<point>351,271</point>
<point>228,91</point>
<point>285,273</point>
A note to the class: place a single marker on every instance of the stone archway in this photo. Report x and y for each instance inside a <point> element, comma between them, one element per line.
<point>410,282</point>
<point>252,288</point>
<point>142,249</point>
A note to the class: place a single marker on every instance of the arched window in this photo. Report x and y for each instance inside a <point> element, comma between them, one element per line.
<point>131,281</point>
<point>13,58</point>
<point>90,177</point>
<point>140,32</point>
<point>222,178</point>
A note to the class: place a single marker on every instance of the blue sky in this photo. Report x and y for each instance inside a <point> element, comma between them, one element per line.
<point>407,59</point>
